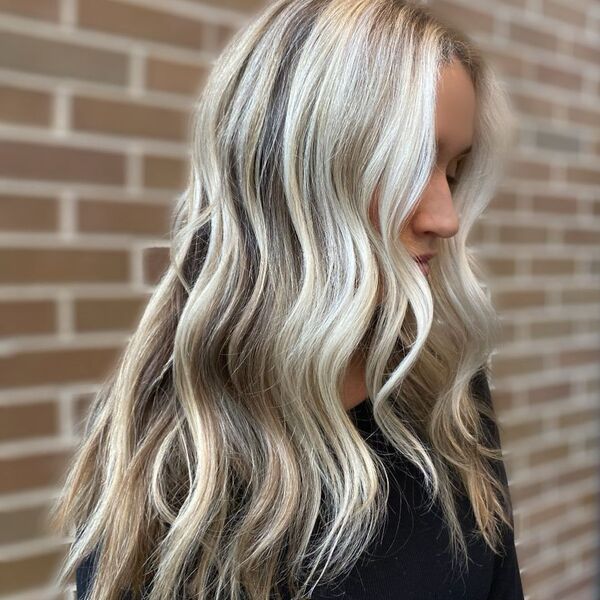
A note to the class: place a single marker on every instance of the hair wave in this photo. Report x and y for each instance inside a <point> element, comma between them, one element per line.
<point>217,459</point>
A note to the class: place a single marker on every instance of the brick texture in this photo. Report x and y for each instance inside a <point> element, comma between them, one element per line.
<point>96,96</point>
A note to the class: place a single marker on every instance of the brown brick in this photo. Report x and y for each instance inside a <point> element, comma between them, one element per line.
<point>566,14</point>
<point>129,119</point>
<point>243,5</point>
<point>132,218</point>
<point>550,328</point>
<point>504,200</point>
<point>155,262</point>
<point>529,428</point>
<point>508,64</point>
<point>547,514</point>
<point>582,236</point>
<point>525,490</point>
<point>465,17</point>
<point>517,365</point>
<point>23,524</point>
<point>142,23</point>
<point>179,78</point>
<point>522,235</point>
<point>164,172</point>
<point>583,175</point>
<point>108,313</point>
<point>583,116</point>
<point>553,266</point>
<point>63,265</point>
<point>532,36</point>
<point>56,366</point>
<point>579,417</point>
<point>47,10</point>
<point>520,299</point>
<point>26,317</point>
<point>28,420</point>
<point>560,205</point>
<point>25,573</point>
<point>500,267</point>
<point>558,77</point>
<point>60,59</point>
<point>60,163</point>
<point>549,454</point>
<point>578,295</point>
<point>557,141</point>
<point>548,393</point>
<point>32,471</point>
<point>23,106</point>
<point>525,169</point>
<point>584,51</point>
<point>585,356</point>
<point>28,213</point>
<point>533,105</point>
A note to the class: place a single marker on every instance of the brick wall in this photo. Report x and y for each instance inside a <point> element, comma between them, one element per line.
<point>95,96</point>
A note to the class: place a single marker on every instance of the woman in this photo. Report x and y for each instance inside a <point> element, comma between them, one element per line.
<point>303,410</point>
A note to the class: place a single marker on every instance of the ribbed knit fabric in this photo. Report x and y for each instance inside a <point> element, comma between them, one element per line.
<point>410,559</point>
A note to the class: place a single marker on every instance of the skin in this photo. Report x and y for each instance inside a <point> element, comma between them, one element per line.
<point>435,216</point>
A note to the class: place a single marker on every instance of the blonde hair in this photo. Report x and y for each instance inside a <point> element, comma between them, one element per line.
<point>218,460</point>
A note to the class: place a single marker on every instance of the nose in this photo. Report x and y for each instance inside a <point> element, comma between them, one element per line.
<point>436,213</point>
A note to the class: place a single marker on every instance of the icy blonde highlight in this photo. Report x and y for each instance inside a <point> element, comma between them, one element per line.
<point>218,460</point>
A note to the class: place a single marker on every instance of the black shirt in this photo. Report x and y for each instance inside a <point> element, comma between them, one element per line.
<point>410,559</point>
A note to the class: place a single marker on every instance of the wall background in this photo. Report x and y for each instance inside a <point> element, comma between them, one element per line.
<point>94,101</point>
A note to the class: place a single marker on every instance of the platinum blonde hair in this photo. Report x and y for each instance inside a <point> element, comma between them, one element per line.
<point>218,460</point>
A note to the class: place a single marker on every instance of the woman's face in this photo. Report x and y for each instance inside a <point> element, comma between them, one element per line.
<point>435,216</point>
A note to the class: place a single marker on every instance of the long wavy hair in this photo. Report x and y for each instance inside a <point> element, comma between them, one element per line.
<point>218,460</point>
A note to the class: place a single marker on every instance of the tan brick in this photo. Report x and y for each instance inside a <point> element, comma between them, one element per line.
<point>35,571</point>
<point>585,356</point>
<point>514,234</point>
<point>465,17</point>
<point>508,64</point>
<point>582,236</point>
<point>500,267</point>
<point>526,429</point>
<point>28,213</point>
<point>63,265</point>
<point>533,105</point>
<point>532,36</point>
<point>517,365</point>
<point>565,13</point>
<point>546,514</point>
<point>165,173</point>
<point>549,454</point>
<point>46,10</point>
<point>60,163</point>
<point>577,295</point>
<point>28,420</point>
<point>525,169</point>
<point>583,175</point>
<point>27,317</point>
<point>23,106</point>
<point>60,59</point>
<point>553,266</point>
<point>561,205</point>
<point>23,524</point>
<point>168,76</point>
<point>579,417</point>
<point>520,299</point>
<point>584,51</point>
<point>129,119</point>
<point>56,366</point>
<point>550,328</point>
<point>583,116</point>
<point>104,314</point>
<point>132,218</point>
<point>142,23</point>
<point>548,393</point>
<point>558,77</point>
<point>155,262</point>
<point>504,200</point>
<point>242,5</point>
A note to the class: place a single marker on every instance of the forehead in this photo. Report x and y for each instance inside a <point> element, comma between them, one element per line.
<point>455,108</point>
